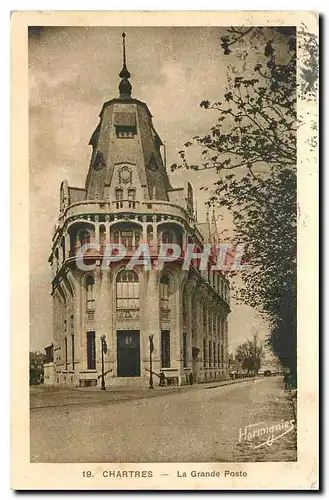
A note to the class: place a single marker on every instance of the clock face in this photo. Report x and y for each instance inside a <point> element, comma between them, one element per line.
<point>125,175</point>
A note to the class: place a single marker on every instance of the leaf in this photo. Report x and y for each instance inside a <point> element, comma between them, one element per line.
<point>205,104</point>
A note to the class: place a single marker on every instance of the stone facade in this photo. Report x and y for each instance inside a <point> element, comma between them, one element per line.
<point>128,200</point>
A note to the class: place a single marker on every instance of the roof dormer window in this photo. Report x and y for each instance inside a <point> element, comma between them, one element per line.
<point>125,125</point>
<point>125,132</point>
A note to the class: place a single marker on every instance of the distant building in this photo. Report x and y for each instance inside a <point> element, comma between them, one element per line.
<point>36,367</point>
<point>270,365</point>
<point>234,366</point>
<point>49,353</point>
<point>128,200</point>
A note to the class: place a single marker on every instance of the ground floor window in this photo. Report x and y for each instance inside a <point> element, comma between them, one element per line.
<point>91,351</point>
<point>73,351</point>
<point>184,350</point>
<point>210,353</point>
<point>204,354</point>
<point>165,348</point>
<point>65,354</point>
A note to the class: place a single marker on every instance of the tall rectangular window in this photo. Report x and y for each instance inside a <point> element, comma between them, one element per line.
<point>222,353</point>
<point>72,351</point>
<point>165,348</point>
<point>205,321</point>
<point>210,325</point>
<point>125,132</point>
<point>90,285</point>
<point>204,353</point>
<point>184,350</point>
<point>65,353</point>
<point>91,351</point>
<point>214,353</point>
<point>209,352</point>
<point>218,355</point>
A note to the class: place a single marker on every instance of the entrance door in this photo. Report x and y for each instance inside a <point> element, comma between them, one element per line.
<point>128,353</point>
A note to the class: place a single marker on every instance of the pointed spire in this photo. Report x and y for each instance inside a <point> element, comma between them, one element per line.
<point>125,85</point>
<point>214,229</point>
<point>208,227</point>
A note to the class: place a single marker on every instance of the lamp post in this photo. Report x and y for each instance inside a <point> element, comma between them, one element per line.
<point>104,351</point>
<point>151,351</point>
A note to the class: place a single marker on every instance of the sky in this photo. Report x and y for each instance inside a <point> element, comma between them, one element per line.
<point>72,72</point>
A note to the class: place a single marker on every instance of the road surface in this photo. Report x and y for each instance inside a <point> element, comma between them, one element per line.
<point>197,424</point>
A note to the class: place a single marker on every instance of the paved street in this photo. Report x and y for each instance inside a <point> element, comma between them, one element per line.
<point>191,424</point>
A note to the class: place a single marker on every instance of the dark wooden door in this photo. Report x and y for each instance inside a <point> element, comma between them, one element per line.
<point>128,353</point>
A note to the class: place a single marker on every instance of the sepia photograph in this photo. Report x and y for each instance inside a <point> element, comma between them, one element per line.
<point>164,204</point>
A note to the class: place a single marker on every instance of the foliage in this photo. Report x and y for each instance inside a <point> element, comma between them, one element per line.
<point>250,354</point>
<point>252,148</point>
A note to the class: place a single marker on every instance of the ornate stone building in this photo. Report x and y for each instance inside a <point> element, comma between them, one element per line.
<point>128,199</point>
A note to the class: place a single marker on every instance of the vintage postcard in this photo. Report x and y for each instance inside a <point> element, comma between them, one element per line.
<point>164,250</point>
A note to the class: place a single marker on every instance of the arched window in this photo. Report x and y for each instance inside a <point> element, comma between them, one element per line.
<point>57,259</point>
<point>129,238</point>
<point>63,249</point>
<point>127,290</point>
<point>168,237</point>
<point>132,198</point>
<point>84,236</point>
<point>164,292</point>
<point>119,194</point>
<point>119,197</point>
<point>102,235</point>
<point>131,194</point>
<point>205,323</point>
<point>90,287</point>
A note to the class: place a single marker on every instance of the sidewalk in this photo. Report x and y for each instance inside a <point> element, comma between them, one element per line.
<point>47,396</point>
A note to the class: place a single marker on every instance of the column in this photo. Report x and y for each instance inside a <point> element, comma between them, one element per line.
<point>80,351</point>
<point>199,338</point>
<point>189,287</point>
<point>144,233</point>
<point>103,313</point>
<point>150,322</point>
<point>155,232</point>
<point>107,226</point>
<point>67,245</point>
<point>97,229</point>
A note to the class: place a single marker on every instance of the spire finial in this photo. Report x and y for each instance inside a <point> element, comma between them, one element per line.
<point>124,48</point>
<point>208,226</point>
<point>214,228</point>
<point>125,85</point>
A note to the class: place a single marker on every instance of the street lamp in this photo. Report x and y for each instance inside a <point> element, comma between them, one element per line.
<point>151,350</point>
<point>104,351</point>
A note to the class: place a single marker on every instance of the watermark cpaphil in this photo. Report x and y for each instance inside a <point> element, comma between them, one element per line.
<point>266,433</point>
<point>219,257</point>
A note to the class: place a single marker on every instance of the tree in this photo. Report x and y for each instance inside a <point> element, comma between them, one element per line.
<point>252,149</point>
<point>37,360</point>
<point>250,355</point>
